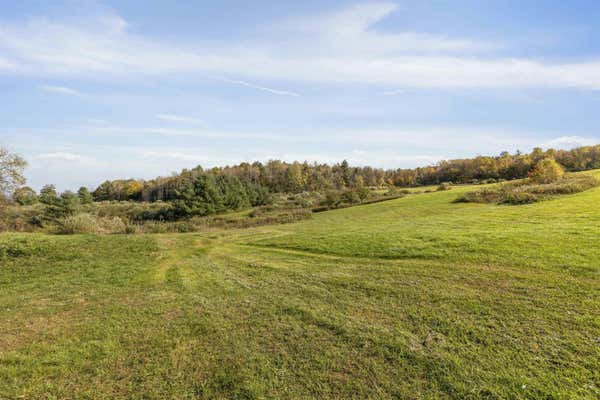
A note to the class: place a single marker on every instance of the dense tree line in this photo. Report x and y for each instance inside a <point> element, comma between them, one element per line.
<point>277,176</point>
<point>505,166</point>
<point>256,178</point>
<point>202,192</point>
<point>192,192</point>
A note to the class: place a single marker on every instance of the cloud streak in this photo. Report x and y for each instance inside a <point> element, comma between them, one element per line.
<point>60,90</point>
<point>64,156</point>
<point>411,138</point>
<point>6,65</point>
<point>262,88</point>
<point>344,47</point>
<point>393,92</point>
<point>178,118</point>
<point>569,142</point>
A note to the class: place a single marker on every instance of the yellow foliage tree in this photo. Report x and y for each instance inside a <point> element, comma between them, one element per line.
<point>547,170</point>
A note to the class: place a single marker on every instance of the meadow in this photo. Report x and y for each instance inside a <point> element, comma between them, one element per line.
<point>418,297</point>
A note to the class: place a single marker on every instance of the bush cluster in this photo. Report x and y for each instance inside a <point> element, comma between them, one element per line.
<point>529,191</point>
<point>87,223</point>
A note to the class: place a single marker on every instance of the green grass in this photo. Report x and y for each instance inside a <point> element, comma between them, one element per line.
<point>413,298</point>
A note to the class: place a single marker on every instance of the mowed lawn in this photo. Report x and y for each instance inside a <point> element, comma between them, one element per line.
<point>413,298</point>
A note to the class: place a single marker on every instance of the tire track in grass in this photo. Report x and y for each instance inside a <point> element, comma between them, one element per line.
<point>185,264</point>
<point>173,267</point>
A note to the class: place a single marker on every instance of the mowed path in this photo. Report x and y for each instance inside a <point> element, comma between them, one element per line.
<point>342,306</point>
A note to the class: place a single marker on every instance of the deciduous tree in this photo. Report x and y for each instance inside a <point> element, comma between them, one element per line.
<point>11,172</point>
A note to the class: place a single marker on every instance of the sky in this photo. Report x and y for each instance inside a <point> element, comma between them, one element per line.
<point>96,90</point>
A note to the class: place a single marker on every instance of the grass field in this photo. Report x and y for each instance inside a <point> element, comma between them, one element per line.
<point>413,298</point>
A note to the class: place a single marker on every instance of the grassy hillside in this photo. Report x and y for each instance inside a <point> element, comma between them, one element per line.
<point>413,298</point>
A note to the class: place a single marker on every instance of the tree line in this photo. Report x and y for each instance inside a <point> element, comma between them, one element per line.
<point>505,166</point>
<point>201,191</point>
<point>277,176</point>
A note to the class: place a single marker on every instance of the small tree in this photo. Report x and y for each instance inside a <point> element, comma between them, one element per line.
<point>351,196</point>
<point>443,186</point>
<point>546,170</point>
<point>363,193</point>
<point>11,172</point>
<point>60,207</point>
<point>25,196</point>
<point>332,199</point>
<point>85,197</point>
<point>69,202</point>
<point>48,195</point>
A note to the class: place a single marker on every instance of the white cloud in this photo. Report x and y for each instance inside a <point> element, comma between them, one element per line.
<point>64,156</point>
<point>344,47</point>
<point>6,65</point>
<point>393,92</point>
<point>351,31</point>
<point>356,19</point>
<point>114,23</point>
<point>105,130</point>
<point>97,121</point>
<point>569,142</point>
<point>60,90</point>
<point>172,155</point>
<point>452,140</point>
<point>258,87</point>
<point>179,118</point>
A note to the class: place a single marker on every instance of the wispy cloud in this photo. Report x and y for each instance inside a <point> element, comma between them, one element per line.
<point>393,92</point>
<point>60,90</point>
<point>179,118</point>
<point>174,155</point>
<point>64,156</point>
<point>351,31</point>
<point>439,139</point>
<point>341,47</point>
<point>258,87</point>
<point>97,121</point>
<point>6,65</point>
<point>569,142</point>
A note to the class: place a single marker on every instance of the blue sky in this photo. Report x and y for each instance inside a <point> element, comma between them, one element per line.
<point>114,89</point>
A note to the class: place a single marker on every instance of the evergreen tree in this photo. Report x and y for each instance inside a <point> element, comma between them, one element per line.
<point>85,197</point>
<point>48,195</point>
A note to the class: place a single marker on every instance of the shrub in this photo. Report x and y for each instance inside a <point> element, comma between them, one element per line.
<point>80,223</point>
<point>113,225</point>
<point>332,199</point>
<point>481,196</point>
<point>3,218</point>
<point>351,196</point>
<point>525,191</point>
<point>363,193</point>
<point>546,170</point>
<point>519,198</point>
<point>86,223</point>
<point>443,186</point>
<point>16,247</point>
<point>21,218</point>
<point>25,196</point>
<point>567,185</point>
<point>133,211</point>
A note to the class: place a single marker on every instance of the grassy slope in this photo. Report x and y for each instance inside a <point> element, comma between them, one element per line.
<point>412,298</point>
